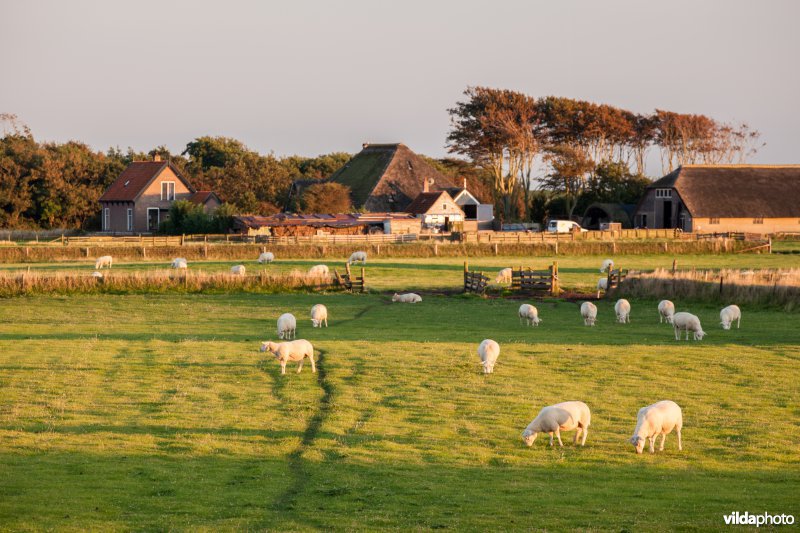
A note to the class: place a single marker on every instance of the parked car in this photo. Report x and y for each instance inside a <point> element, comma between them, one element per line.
<point>563,226</point>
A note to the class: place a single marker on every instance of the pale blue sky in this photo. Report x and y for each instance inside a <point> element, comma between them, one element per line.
<point>302,77</point>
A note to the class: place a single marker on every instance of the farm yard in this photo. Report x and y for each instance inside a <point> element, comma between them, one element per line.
<point>157,411</point>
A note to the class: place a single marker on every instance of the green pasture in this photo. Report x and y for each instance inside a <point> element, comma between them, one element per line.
<point>157,412</point>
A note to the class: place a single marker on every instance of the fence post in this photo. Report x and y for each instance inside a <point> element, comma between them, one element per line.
<point>435,249</point>
<point>182,238</point>
<point>721,277</point>
<point>363,279</point>
<point>144,252</point>
<point>769,245</point>
<point>62,240</point>
<point>495,248</point>
<point>674,266</point>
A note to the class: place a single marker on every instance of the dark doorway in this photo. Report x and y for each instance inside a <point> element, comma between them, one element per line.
<point>667,215</point>
<point>153,219</point>
<point>470,211</point>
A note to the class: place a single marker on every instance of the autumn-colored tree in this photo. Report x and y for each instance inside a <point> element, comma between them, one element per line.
<point>570,168</point>
<point>326,197</point>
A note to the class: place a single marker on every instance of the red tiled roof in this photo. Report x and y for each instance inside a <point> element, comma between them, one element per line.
<point>424,202</point>
<point>134,179</point>
<point>201,197</point>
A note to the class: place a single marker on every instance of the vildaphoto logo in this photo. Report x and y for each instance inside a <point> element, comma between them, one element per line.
<point>758,520</point>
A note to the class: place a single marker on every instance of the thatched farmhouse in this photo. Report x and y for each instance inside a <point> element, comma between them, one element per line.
<point>140,198</point>
<point>724,198</point>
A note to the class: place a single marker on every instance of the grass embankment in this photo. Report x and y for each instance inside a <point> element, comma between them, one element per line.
<point>157,412</point>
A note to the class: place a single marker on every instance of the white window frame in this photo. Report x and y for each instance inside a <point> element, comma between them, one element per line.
<point>130,219</point>
<point>106,219</point>
<point>168,183</point>
<point>663,193</point>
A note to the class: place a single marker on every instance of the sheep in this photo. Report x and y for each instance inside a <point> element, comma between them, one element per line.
<point>687,322</point>
<point>238,270</point>
<point>589,313</point>
<point>608,264</point>
<point>319,314</point>
<point>564,416</point>
<point>488,351</point>
<point>666,310</point>
<point>287,326</point>
<point>318,271</point>
<point>179,262</point>
<point>623,310</point>
<point>530,314</point>
<point>728,315</point>
<point>103,260</point>
<point>504,276</point>
<point>97,274</point>
<point>296,350</point>
<point>602,285</point>
<point>408,298</point>
<point>360,257</point>
<point>266,257</point>
<point>654,420</point>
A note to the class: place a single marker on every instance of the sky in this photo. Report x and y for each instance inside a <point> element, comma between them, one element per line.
<point>306,78</point>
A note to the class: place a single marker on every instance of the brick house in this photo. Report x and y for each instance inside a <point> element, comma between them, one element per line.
<point>437,210</point>
<point>140,198</point>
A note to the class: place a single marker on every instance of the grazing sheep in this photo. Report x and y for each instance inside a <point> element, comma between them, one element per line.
<point>564,416</point>
<point>238,270</point>
<point>179,262</point>
<point>504,276</point>
<point>319,314</point>
<point>654,420</point>
<point>287,326</point>
<point>97,274</point>
<point>589,313</point>
<point>602,285</point>
<point>291,351</point>
<point>623,310</point>
<point>666,310</point>
<point>530,314</point>
<point>360,257</point>
<point>266,257</point>
<point>408,298</point>
<point>488,351</point>
<point>687,322</point>
<point>103,261</point>
<point>318,271</point>
<point>608,264</point>
<point>728,315</point>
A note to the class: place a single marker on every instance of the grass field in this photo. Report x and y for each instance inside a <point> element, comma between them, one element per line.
<point>156,412</point>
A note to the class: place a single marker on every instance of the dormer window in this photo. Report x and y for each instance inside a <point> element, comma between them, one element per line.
<point>126,183</point>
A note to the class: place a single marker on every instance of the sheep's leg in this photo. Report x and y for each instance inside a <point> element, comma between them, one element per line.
<point>326,322</point>
<point>283,367</point>
<point>300,366</point>
<point>551,439</point>
<point>577,434</point>
<point>652,444</point>
<point>583,440</point>
<point>663,438</point>
<point>313,366</point>
<point>738,321</point>
<point>680,444</point>
<point>558,434</point>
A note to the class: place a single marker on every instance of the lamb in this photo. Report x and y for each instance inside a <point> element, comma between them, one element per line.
<point>504,276</point>
<point>728,315</point>
<point>103,260</point>
<point>666,310</point>
<point>564,416</point>
<point>589,313</point>
<point>318,271</point>
<point>360,257</point>
<point>97,274</point>
<point>287,326</point>
<point>319,314</point>
<point>602,285</point>
<point>623,310</point>
<point>296,350</point>
<point>238,270</point>
<point>179,262</point>
<point>608,264</point>
<point>408,298</point>
<point>266,257</point>
<point>530,314</point>
<point>654,420</point>
<point>687,322</point>
<point>488,351</point>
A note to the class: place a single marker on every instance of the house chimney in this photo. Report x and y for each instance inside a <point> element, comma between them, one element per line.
<point>425,186</point>
<point>156,157</point>
<point>364,145</point>
<point>465,184</point>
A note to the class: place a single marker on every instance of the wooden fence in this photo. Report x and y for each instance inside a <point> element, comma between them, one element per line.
<point>474,282</point>
<point>510,237</point>
<point>349,283</point>
<point>181,240</point>
<point>529,281</point>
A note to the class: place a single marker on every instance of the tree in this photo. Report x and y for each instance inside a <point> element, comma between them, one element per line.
<point>614,182</point>
<point>568,177</point>
<point>326,198</point>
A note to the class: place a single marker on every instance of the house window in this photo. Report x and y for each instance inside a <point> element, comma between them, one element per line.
<point>444,206</point>
<point>130,219</point>
<point>713,221</point>
<point>106,219</point>
<point>759,220</point>
<point>168,190</point>
<point>663,193</point>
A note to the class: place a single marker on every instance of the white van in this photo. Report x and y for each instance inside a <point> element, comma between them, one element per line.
<point>563,226</point>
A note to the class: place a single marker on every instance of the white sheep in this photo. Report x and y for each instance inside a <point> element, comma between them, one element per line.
<point>608,264</point>
<point>654,420</point>
<point>602,285</point>
<point>687,322</point>
<point>728,315</point>
<point>530,314</point>
<point>589,313</point>
<point>266,257</point>
<point>319,315</point>
<point>360,257</point>
<point>318,271</point>
<point>179,262</point>
<point>408,298</point>
<point>296,350</point>
<point>564,416</point>
<point>488,351</point>
<point>238,270</point>
<point>504,276</point>
<point>103,261</point>
<point>666,310</point>
<point>97,274</point>
<point>287,326</point>
<point>623,310</point>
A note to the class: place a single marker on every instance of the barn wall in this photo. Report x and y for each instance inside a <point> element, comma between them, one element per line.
<point>725,225</point>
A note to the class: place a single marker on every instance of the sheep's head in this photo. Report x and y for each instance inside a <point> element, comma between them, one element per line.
<point>699,335</point>
<point>269,346</point>
<point>668,319</point>
<point>528,437</point>
<point>315,322</point>
<point>638,443</point>
<point>394,298</point>
<point>488,367</point>
<point>725,325</point>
